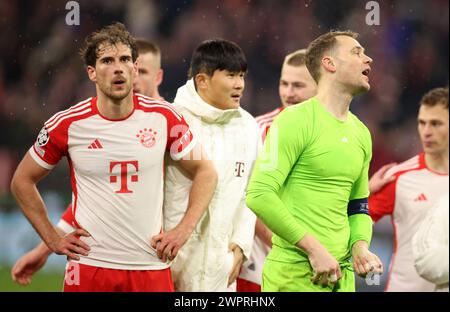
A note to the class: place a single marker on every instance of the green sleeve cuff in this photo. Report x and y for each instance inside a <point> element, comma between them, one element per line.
<point>360,228</point>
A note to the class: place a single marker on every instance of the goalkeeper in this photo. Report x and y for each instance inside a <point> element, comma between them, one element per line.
<point>310,184</point>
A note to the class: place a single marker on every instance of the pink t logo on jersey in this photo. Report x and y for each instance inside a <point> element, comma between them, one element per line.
<point>123,174</point>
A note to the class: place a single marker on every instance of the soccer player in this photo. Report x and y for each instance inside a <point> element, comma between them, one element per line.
<point>150,76</point>
<point>430,245</point>
<point>210,102</point>
<point>296,85</point>
<point>416,186</point>
<point>115,144</point>
<point>310,184</point>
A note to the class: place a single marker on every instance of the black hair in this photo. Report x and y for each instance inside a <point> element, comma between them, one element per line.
<point>217,54</point>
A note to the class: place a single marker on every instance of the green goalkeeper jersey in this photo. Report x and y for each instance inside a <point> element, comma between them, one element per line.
<point>312,165</point>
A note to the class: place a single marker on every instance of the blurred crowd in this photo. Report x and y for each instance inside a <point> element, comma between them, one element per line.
<point>41,72</point>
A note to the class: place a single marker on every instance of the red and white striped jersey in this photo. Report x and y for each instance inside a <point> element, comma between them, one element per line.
<point>407,200</point>
<point>265,121</point>
<point>116,175</point>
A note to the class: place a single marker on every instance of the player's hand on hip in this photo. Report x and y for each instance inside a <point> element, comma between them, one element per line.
<point>364,261</point>
<point>71,245</point>
<point>168,244</point>
<point>238,259</point>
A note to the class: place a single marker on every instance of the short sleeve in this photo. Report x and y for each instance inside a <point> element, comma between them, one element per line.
<point>382,202</point>
<point>50,146</point>
<point>180,139</point>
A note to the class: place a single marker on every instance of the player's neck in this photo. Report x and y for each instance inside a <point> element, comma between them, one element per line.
<point>335,101</point>
<point>155,95</point>
<point>114,109</point>
<point>437,162</point>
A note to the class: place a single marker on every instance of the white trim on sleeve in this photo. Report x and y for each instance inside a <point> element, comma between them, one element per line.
<point>39,160</point>
<point>185,151</point>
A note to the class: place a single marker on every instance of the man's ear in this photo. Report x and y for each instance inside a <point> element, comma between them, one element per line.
<point>91,73</point>
<point>135,70</point>
<point>328,64</point>
<point>201,81</point>
<point>159,77</point>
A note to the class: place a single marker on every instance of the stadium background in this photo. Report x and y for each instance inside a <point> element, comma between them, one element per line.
<point>41,73</point>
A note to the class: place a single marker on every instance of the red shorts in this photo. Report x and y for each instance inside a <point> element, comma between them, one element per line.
<point>247,286</point>
<point>85,278</point>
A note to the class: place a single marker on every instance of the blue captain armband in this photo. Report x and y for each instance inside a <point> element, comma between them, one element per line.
<point>358,206</point>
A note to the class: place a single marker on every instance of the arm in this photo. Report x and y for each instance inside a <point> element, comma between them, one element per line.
<point>274,163</point>
<point>281,151</point>
<point>430,244</point>
<point>380,179</point>
<point>31,262</point>
<point>263,232</point>
<point>34,260</point>
<point>360,222</point>
<point>204,181</point>
<point>242,238</point>
<point>23,187</point>
<point>364,261</point>
<point>382,200</point>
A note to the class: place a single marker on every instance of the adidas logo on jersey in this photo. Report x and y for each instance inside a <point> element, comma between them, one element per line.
<point>95,145</point>
<point>421,197</point>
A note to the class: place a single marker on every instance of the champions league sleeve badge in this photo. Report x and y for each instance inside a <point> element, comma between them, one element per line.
<point>43,137</point>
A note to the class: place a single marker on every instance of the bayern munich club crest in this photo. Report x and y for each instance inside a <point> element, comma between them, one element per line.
<point>147,137</point>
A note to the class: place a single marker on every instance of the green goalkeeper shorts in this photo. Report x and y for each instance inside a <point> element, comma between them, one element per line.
<point>285,277</point>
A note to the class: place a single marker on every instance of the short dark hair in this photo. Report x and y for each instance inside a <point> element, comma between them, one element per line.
<point>296,58</point>
<point>112,34</point>
<point>320,46</point>
<point>217,54</point>
<point>436,96</point>
<point>145,46</point>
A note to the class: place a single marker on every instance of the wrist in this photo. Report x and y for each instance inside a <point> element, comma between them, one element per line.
<point>309,244</point>
<point>238,249</point>
<point>52,244</point>
<point>187,227</point>
<point>238,252</point>
<point>43,250</point>
<point>360,244</point>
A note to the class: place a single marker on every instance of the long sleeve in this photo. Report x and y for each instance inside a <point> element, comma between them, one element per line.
<point>244,228</point>
<point>360,228</point>
<point>281,150</point>
<point>360,221</point>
